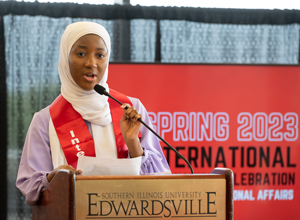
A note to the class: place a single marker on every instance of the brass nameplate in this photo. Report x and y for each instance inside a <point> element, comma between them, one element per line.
<point>151,199</point>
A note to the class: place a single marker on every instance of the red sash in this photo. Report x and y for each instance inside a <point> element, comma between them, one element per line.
<point>73,134</point>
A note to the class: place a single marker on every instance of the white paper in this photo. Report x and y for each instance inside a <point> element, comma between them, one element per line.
<point>109,166</point>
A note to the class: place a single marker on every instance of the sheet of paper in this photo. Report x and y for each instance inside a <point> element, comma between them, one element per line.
<point>108,166</point>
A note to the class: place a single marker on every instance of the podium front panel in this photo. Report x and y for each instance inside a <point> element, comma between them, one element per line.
<point>159,197</point>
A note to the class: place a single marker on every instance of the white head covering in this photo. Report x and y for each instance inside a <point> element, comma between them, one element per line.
<point>89,104</point>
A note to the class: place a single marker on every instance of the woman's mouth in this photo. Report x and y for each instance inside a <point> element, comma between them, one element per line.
<point>90,77</point>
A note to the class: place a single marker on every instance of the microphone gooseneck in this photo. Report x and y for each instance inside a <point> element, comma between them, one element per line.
<point>102,91</point>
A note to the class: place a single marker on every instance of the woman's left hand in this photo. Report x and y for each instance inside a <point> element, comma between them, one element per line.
<point>130,127</point>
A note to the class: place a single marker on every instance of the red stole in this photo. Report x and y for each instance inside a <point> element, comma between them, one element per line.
<point>73,134</point>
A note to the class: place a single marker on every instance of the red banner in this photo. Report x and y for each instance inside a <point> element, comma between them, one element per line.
<point>245,118</point>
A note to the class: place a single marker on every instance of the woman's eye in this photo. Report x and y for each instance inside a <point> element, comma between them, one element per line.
<point>100,55</point>
<point>80,54</point>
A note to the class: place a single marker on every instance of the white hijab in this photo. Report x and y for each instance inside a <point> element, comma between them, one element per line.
<point>89,104</point>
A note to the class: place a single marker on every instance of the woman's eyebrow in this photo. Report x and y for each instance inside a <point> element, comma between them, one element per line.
<point>85,47</point>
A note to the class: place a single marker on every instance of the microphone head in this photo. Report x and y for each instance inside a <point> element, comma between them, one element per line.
<point>100,89</point>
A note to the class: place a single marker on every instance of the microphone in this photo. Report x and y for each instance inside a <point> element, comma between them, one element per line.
<point>102,91</point>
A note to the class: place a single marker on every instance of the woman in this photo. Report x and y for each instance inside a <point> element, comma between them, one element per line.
<point>80,121</point>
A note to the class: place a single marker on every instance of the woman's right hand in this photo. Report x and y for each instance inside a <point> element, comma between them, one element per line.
<point>65,167</point>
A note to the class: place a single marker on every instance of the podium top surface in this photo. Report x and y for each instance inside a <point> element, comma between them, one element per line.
<point>155,176</point>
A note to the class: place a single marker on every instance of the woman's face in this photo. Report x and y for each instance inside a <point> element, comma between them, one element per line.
<point>88,59</point>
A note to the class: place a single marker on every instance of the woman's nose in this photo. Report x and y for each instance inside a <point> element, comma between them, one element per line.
<point>91,62</point>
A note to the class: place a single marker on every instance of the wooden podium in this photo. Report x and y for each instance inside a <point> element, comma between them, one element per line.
<point>189,196</point>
